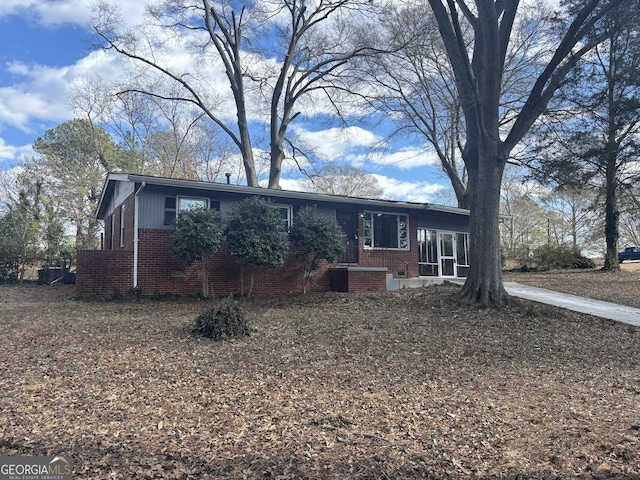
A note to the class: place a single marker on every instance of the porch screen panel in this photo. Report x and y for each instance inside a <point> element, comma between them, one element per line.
<point>462,254</point>
<point>428,252</point>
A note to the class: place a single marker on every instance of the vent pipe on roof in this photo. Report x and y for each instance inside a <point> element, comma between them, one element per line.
<point>228,175</point>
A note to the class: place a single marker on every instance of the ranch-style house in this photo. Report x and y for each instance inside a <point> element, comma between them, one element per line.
<point>389,244</point>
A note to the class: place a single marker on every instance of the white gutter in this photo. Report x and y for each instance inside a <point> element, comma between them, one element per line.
<point>135,235</point>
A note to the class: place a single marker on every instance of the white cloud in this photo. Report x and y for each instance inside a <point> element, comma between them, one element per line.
<point>65,12</point>
<point>337,143</point>
<point>405,158</point>
<point>421,192</point>
<point>291,184</point>
<point>9,153</point>
<point>42,92</point>
<point>392,189</point>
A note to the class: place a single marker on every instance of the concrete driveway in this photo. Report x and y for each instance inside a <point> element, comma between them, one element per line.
<point>612,311</point>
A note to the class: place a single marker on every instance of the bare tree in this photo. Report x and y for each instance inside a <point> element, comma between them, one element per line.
<point>309,47</point>
<point>159,137</point>
<point>630,216</point>
<point>413,87</point>
<point>580,220</point>
<point>315,49</point>
<point>344,180</point>
<point>171,150</point>
<point>523,227</point>
<point>479,70</point>
<point>130,118</point>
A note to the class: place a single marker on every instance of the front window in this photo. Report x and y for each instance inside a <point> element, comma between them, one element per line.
<point>286,213</point>
<point>384,230</point>
<point>174,205</point>
<point>186,203</point>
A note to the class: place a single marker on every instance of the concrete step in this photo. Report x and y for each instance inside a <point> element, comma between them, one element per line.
<point>392,283</point>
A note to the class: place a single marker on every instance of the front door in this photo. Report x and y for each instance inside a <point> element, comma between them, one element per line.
<point>348,221</point>
<point>447,247</point>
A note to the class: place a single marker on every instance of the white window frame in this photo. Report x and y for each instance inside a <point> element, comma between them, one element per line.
<point>289,212</point>
<point>429,237</point>
<point>368,219</point>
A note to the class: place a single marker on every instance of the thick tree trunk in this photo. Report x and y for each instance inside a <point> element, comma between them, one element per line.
<point>277,156</point>
<point>484,281</point>
<point>246,149</point>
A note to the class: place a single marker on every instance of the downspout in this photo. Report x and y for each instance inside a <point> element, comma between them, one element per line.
<point>135,235</point>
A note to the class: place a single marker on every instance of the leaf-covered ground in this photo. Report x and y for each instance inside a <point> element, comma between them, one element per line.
<point>404,384</point>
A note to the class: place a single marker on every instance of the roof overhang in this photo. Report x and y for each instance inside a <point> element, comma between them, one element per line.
<point>109,186</point>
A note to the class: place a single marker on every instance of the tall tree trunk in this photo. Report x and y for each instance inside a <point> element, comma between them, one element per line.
<point>277,156</point>
<point>246,148</point>
<point>484,281</point>
<point>611,216</point>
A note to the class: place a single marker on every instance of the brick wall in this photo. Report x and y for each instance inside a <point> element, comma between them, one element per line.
<point>358,279</point>
<point>101,273</point>
<point>129,204</point>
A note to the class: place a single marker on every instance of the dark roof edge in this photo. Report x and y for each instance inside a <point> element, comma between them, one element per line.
<point>310,196</point>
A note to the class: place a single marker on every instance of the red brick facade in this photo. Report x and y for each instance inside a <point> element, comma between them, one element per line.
<point>155,270</point>
<point>126,241</point>
<point>102,273</point>
<point>108,272</point>
<point>358,279</point>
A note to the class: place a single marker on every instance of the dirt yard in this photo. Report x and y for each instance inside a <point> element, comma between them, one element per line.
<point>404,384</point>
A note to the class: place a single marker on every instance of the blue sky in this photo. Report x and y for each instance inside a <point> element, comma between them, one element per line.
<point>44,50</point>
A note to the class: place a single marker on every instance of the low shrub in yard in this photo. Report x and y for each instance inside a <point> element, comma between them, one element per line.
<point>225,320</point>
<point>560,256</point>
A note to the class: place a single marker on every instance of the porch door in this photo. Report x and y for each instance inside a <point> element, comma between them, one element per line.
<point>447,246</point>
<point>348,221</point>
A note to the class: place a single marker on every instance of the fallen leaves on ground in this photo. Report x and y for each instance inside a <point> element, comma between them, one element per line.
<point>405,384</point>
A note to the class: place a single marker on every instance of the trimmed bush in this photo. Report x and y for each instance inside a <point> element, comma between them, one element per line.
<point>318,237</point>
<point>225,320</point>
<point>257,236</point>
<point>198,235</point>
